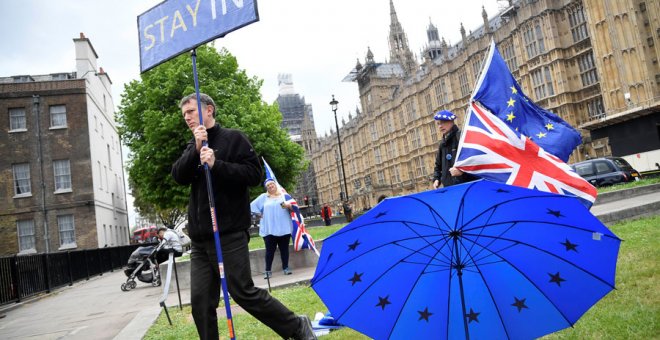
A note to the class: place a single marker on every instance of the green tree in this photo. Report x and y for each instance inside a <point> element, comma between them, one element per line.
<point>152,127</point>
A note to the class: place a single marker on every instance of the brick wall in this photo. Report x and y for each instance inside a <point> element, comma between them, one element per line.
<point>70,143</point>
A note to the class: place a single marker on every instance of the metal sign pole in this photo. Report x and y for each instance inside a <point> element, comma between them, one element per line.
<point>214,217</point>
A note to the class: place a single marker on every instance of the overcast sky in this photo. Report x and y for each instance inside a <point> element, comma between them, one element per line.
<point>316,41</point>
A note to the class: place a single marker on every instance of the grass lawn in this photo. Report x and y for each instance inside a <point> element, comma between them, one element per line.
<point>318,233</point>
<point>632,311</point>
<point>642,182</point>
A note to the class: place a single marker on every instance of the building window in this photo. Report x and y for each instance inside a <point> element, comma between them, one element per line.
<point>539,38</point>
<point>578,24</point>
<point>510,57</point>
<point>67,230</point>
<point>548,81</point>
<point>62,172</point>
<point>429,104</point>
<point>374,133</point>
<point>381,177</point>
<point>357,184</point>
<point>100,175</point>
<point>390,128</point>
<point>595,108</point>
<point>395,150</point>
<point>109,157</point>
<point>17,121</point>
<point>25,235</point>
<point>411,111</point>
<point>542,83</point>
<point>416,139</point>
<point>463,82</point>
<point>396,178</point>
<point>587,69</point>
<point>476,67</point>
<point>420,167</point>
<point>22,185</point>
<point>533,38</point>
<point>377,157</point>
<point>433,132</point>
<point>441,92</point>
<point>58,116</point>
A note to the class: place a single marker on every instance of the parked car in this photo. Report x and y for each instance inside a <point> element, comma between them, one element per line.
<point>606,171</point>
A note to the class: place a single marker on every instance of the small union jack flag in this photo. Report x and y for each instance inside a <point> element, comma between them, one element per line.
<point>490,149</point>
<point>301,238</point>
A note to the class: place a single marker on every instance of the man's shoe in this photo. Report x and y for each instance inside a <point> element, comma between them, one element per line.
<point>305,331</point>
<point>268,274</point>
<point>287,271</point>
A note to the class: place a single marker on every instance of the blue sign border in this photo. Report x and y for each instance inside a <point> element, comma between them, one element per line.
<point>186,40</point>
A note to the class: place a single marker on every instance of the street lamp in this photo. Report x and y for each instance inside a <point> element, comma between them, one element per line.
<point>333,106</point>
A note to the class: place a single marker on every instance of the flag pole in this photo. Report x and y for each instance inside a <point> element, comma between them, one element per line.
<point>214,217</point>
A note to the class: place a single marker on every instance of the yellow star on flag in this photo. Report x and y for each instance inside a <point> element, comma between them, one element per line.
<point>549,126</point>
<point>510,117</point>
<point>513,90</point>
<point>541,134</point>
<point>511,102</point>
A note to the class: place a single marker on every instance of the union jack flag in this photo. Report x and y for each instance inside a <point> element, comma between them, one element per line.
<point>490,149</point>
<point>301,238</point>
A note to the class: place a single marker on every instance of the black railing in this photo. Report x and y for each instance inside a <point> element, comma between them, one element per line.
<point>22,276</point>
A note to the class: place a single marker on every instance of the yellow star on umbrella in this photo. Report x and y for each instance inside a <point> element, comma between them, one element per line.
<point>511,102</point>
<point>514,90</point>
<point>510,117</point>
<point>549,126</point>
<point>541,134</point>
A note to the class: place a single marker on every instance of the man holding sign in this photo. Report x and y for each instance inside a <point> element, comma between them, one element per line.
<point>234,167</point>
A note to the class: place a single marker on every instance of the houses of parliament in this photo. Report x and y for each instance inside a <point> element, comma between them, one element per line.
<point>592,62</point>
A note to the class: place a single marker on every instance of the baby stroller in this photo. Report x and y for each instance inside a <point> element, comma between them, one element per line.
<point>143,265</point>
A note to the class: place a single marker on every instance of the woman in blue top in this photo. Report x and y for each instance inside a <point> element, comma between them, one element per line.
<point>275,225</point>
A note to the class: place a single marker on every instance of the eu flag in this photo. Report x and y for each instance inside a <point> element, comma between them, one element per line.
<point>499,92</point>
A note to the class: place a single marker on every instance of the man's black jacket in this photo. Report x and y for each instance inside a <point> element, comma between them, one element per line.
<point>236,169</point>
<point>445,158</point>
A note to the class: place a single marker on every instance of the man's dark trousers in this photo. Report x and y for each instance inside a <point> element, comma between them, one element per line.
<point>205,288</point>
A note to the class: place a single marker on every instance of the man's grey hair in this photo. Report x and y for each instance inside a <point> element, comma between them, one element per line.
<point>204,98</point>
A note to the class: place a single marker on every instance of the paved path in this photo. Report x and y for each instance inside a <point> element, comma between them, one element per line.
<point>98,309</point>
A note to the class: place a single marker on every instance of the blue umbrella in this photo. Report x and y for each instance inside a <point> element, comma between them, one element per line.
<point>480,260</point>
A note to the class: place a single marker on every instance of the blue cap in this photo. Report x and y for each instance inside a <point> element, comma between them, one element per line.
<point>444,115</point>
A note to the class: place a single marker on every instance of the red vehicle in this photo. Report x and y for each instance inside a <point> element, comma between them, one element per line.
<point>145,234</point>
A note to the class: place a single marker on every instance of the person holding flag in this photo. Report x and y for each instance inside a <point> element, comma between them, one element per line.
<point>301,238</point>
<point>275,224</point>
<point>444,172</point>
<point>234,167</point>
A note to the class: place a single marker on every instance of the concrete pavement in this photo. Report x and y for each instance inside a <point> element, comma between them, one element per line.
<point>98,309</point>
